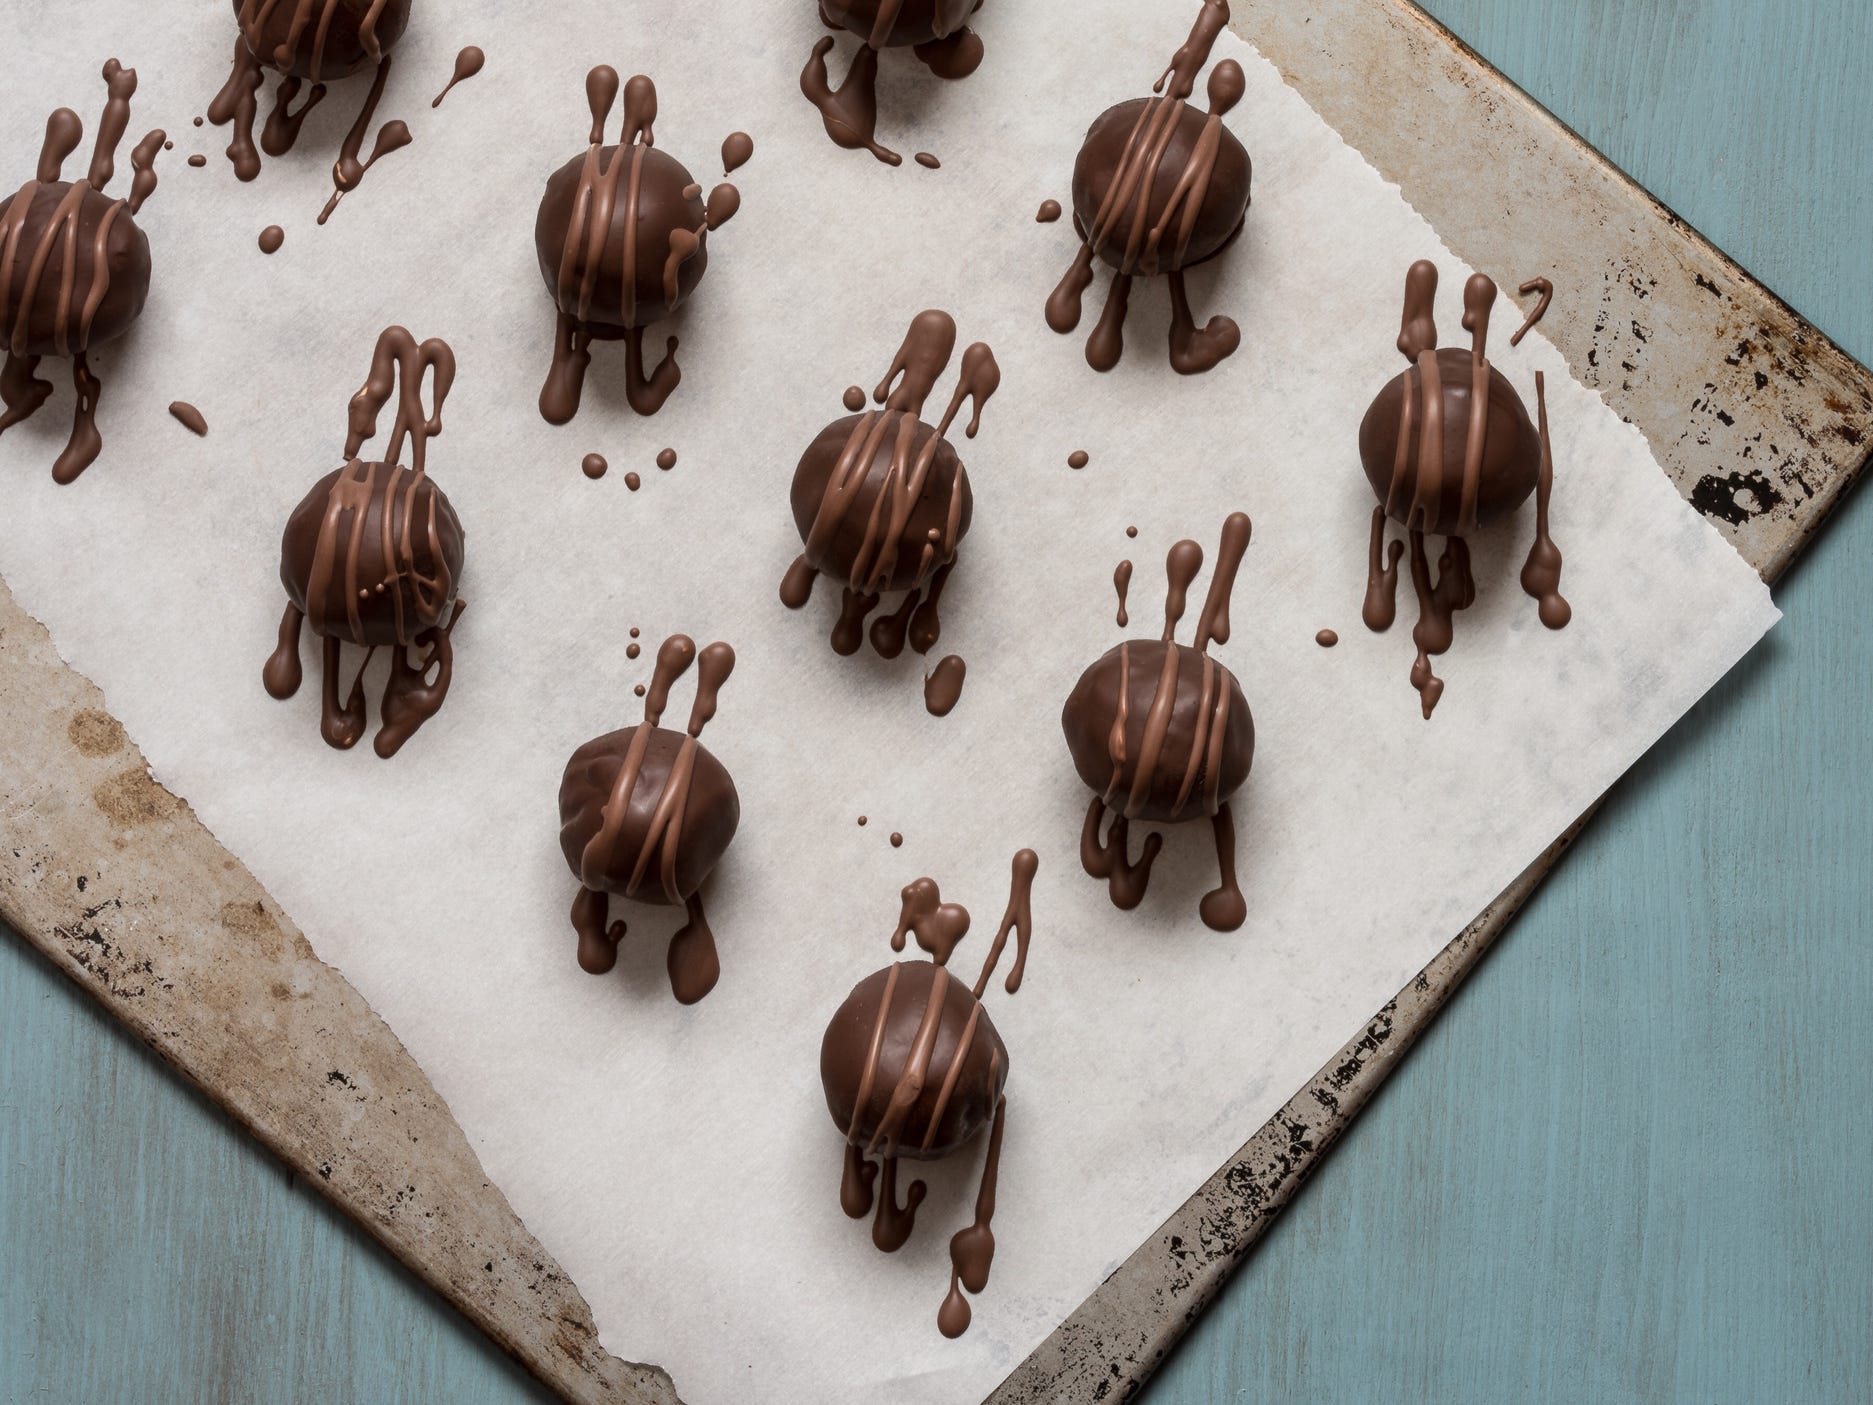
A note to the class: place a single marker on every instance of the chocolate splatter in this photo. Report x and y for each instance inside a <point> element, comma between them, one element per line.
<point>737,150</point>
<point>189,418</point>
<point>943,689</point>
<point>1049,212</point>
<point>1326,639</point>
<point>667,460</point>
<point>928,162</point>
<point>271,239</point>
<point>467,64</point>
<point>1078,459</point>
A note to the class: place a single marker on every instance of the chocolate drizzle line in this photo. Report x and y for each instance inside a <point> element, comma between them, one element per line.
<point>922,357</point>
<point>467,64</point>
<point>1414,497</point>
<point>348,171</point>
<point>1546,290</point>
<point>693,964</point>
<point>237,104</point>
<point>849,112</point>
<point>1109,858</point>
<point>1127,205</point>
<point>79,297</point>
<point>611,184</point>
<point>403,505</point>
<point>938,926</point>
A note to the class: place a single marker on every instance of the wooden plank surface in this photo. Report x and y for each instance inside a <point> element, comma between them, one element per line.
<point>61,1302</point>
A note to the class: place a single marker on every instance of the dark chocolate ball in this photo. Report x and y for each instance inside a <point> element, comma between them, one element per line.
<point>1093,709</point>
<point>845,1055</point>
<point>916,21</point>
<point>1511,447</point>
<point>329,42</point>
<point>1225,204</point>
<point>622,297</point>
<point>341,596</point>
<point>126,273</point>
<point>710,814</point>
<point>931,512</point>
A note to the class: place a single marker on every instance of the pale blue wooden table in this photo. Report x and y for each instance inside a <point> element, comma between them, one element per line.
<point>1631,1162</point>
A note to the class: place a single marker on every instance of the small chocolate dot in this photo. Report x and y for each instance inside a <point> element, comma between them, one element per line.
<point>633,482</point>
<point>639,690</point>
<point>631,651</point>
<point>636,632</point>
<point>1049,212</point>
<point>667,460</point>
<point>1131,531</point>
<point>271,238</point>
<point>1079,458</point>
<point>1326,639</point>
<point>928,162</point>
<point>854,399</point>
<point>897,841</point>
<point>198,161</point>
<point>594,465</point>
<point>864,820</point>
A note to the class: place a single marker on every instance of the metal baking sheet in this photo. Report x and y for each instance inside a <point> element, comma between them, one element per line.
<point>1759,420</point>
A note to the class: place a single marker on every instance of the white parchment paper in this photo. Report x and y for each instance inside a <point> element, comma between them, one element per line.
<point>680,1163</point>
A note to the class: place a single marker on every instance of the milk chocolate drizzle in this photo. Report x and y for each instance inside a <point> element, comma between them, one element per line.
<point>1223,909</point>
<point>79,298</point>
<point>467,64</point>
<point>693,964</point>
<point>1122,582</point>
<point>1545,289</point>
<point>849,112</point>
<point>1414,497</point>
<point>404,505</point>
<point>923,357</point>
<point>610,183</point>
<point>1161,248</point>
<point>972,1250</point>
<point>237,104</point>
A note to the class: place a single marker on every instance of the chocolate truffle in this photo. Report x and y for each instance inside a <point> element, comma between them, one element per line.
<point>316,42</point>
<point>1449,449</point>
<point>935,30</point>
<point>913,1067</point>
<point>623,240</point>
<point>646,813</point>
<point>1161,732</point>
<point>372,557</point>
<point>74,267</point>
<point>882,501</point>
<point>1158,188</point>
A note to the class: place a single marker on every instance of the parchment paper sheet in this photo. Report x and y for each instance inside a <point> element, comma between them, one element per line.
<point>680,1163</point>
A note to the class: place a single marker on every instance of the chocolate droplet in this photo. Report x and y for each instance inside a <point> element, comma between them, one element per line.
<point>1079,458</point>
<point>897,841</point>
<point>594,465</point>
<point>854,399</point>
<point>1049,212</point>
<point>667,460</point>
<point>633,482</point>
<point>928,162</point>
<point>1326,639</point>
<point>190,418</point>
<point>271,238</point>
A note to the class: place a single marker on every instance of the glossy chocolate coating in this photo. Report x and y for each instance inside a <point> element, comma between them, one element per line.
<point>1225,202</point>
<point>378,610</point>
<point>845,1053</point>
<point>711,813</point>
<point>665,205</point>
<point>330,42</point>
<point>930,514</point>
<point>1092,709</point>
<point>127,260</point>
<point>1511,463</point>
<point>916,21</point>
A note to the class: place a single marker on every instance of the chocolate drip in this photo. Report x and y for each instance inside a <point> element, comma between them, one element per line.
<point>1213,624</point>
<point>693,963</point>
<point>937,925</point>
<point>103,263</point>
<point>1181,567</point>
<point>392,136</point>
<point>282,674</point>
<point>1381,606</point>
<point>1018,918</point>
<point>1224,909</point>
<point>189,418</point>
<point>1110,858</point>
<point>1545,289</point>
<point>1121,582</point>
<point>1122,229</point>
<point>1049,212</point>
<point>467,64</point>
<point>1438,602</point>
<point>943,689</point>
<point>972,1250</point>
<point>737,151</point>
<point>849,112</point>
<point>1541,573</point>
